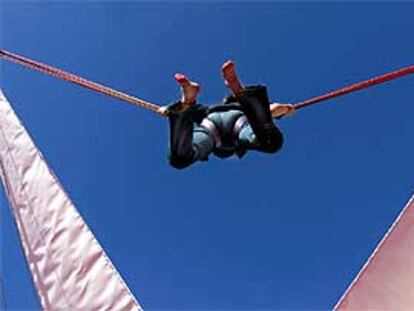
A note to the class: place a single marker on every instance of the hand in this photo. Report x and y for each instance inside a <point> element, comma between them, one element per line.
<point>163,111</point>
<point>278,110</point>
<point>290,109</point>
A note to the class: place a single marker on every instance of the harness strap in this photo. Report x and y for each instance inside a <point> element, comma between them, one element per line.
<point>238,125</point>
<point>212,130</point>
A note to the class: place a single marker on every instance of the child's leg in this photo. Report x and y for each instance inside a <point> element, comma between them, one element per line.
<point>231,79</point>
<point>255,103</point>
<point>188,143</point>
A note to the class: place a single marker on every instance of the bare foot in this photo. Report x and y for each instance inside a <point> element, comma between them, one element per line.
<point>228,71</point>
<point>189,89</point>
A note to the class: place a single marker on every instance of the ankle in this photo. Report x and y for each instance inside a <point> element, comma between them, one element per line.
<point>185,104</point>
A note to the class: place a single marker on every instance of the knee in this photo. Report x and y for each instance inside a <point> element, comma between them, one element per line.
<point>180,161</point>
<point>272,142</point>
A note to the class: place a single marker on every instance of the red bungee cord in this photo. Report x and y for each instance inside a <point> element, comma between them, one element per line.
<point>358,86</point>
<point>24,61</point>
<point>64,75</point>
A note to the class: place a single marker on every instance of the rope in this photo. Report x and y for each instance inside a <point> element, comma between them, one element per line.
<point>49,70</point>
<point>355,87</point>
<point>162,110</point>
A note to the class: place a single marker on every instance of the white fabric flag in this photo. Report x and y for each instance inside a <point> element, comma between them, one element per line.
<point>386,282</point>
<point>69,268</point>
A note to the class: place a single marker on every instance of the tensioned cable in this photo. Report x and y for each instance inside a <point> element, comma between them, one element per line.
<point>358,86</point>
<point>35,65</point>
<point>32,64</point>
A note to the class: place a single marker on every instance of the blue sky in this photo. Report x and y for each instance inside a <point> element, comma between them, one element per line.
<point>267,232</point>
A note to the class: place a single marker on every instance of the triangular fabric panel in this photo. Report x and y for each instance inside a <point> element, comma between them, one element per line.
<point>69,268</point>
<point>386,282</point>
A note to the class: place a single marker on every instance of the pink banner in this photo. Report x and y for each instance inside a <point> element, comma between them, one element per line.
<point>386,282</point>
<point>69,268</point>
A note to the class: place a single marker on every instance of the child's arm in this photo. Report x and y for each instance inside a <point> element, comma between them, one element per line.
<point>278,110</point>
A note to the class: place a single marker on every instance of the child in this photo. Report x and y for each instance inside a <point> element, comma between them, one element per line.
<point>243,122</point>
